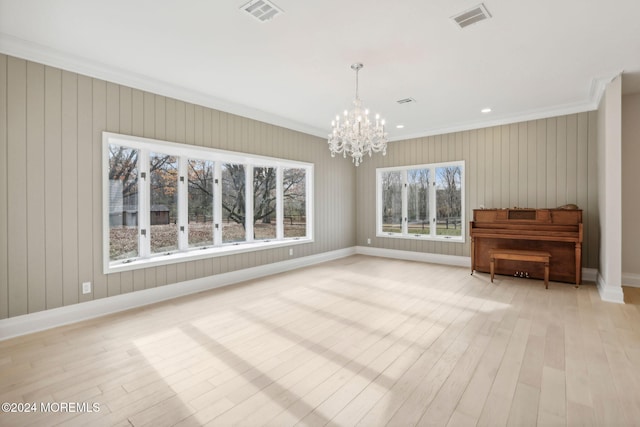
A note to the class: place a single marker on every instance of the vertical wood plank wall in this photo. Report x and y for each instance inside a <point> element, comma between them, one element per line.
<point>50,180</point>
<point>542,163</point>
<point>50,183</point>
<point>630,179</point>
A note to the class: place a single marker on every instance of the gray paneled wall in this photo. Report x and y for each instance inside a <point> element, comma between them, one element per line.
<point>538,164</point>
<point>50,180</point>
<point>630,179</point>
<point>50,183</point>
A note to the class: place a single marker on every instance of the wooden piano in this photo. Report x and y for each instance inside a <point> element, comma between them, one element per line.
<point>557,231</point>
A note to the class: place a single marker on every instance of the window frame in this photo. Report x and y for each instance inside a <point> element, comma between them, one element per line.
<point>432,203</point>
<point>185,153</point>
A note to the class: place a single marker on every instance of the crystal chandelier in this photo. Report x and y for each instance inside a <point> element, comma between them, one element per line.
<point>355,135</point>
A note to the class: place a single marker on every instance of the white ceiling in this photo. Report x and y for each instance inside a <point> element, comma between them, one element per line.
<point>532,59</point>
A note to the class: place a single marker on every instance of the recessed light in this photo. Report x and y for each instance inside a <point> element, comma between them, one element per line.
<point>400,126</point>
<point>485,110</point>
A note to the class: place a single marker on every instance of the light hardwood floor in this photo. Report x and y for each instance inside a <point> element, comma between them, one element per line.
<point>360,341</point>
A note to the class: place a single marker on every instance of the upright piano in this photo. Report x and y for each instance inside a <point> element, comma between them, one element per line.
<point>557,231</point>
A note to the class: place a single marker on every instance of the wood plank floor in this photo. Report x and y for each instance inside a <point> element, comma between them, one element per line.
<point>360,341</point>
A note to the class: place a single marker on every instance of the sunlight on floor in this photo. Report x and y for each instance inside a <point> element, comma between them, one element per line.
<point>370,352</point>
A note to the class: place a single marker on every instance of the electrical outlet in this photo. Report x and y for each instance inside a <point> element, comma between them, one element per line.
<point>86,287</point>
<point>368,241</point>
<point>290,252</point>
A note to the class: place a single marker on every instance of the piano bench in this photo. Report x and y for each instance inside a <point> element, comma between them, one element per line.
<point>521,255</point>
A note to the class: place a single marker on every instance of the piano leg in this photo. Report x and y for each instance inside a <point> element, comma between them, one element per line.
<point>492,263</point>
<point>578,264</point>
<point>473,255</point>
<point>546,275</point>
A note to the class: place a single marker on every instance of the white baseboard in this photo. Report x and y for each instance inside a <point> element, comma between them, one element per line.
<point>631,280</point>
<point>459,261</point>
<point>47,319</point>
<point>588,274</point>
<point>609,293</point>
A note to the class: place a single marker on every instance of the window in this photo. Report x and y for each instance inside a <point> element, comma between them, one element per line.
<point>233,203</point>
<point>392,202</point>
<point>449,201</point>
<point>422,201</point>
<point>200,203</point>
<point>123,202</point>
<point>264,203</point>
<point>418,201</point>
<point>167,202</point>
<point>163,181</point>
<point>294,202</point>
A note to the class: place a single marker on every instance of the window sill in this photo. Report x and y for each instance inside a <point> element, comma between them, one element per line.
<point>452,239</point>
<point>197,254</point>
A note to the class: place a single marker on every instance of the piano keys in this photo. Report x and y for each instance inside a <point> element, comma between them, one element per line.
<point>557,231</point>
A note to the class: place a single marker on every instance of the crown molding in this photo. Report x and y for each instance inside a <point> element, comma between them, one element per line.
<point>17,47</point>
<point>505,120</point>
<point>35,52</point>
<point>598,86</point>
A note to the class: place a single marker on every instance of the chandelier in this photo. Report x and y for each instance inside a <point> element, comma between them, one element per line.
<point>355,135</point>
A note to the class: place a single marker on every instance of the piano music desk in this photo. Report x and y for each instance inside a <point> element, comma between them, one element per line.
<point>521,255</point>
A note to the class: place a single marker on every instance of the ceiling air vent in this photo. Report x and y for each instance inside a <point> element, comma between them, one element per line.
<point>262,10</point>
<point>471,16</point>
<point>405,101</point>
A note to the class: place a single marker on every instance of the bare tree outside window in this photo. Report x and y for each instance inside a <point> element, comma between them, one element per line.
<point>264,203</point>
<point>123,202</point>
<point>295,202</point>
<point>448,200</point>
<point>421,201</point>
<point>165,202</point>
<point>418,201</point>
<point>233,203</point>
<point>392,202</point>
<point>200,202</point>
<point>163,179</point>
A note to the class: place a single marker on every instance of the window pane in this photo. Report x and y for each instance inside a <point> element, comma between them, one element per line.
<point>163,171</point>
<point>448,201</point>
<point>295,202</point>
<point>418,201</point>
<point>200,202</point>
<point>264,203</point>
<point>392,202</point>
<point>233,203</point>
<point>123,202</point>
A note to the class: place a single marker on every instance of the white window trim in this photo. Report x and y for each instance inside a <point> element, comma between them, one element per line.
<point>432,203</point>
<point>185,152</point>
